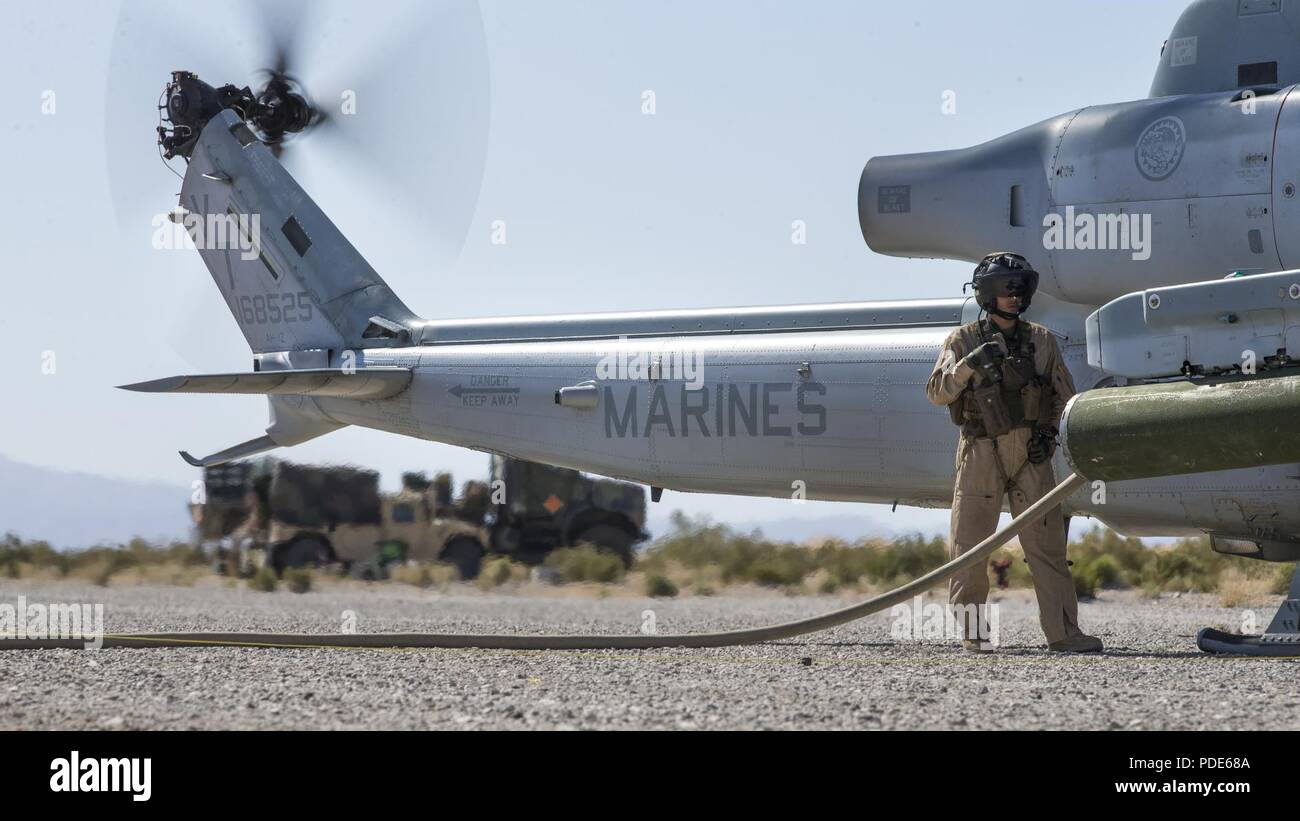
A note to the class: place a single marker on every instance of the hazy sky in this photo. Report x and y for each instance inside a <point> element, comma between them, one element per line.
<point>765,113</point>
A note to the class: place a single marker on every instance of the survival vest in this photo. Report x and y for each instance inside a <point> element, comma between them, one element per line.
<point>1018,398</point>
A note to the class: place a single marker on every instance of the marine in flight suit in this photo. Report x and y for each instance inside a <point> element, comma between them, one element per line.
<point>1006,384</point>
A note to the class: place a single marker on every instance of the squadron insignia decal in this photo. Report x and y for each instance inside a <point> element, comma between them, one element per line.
<point>1160,148</point>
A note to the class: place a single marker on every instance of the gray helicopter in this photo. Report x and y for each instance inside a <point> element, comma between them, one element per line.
<point>1166,230</point>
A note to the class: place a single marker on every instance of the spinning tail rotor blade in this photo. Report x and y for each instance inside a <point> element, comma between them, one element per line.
<point>394,152</point>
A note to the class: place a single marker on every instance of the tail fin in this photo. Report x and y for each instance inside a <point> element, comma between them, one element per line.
<point>289,276</point>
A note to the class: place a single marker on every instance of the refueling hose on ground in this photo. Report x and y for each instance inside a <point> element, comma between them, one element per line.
<point>629,642</point>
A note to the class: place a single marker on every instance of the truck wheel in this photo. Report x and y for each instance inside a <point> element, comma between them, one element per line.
<point>301,551</point>
<point>609,537</point>
<point>370,570</point>
<point>505,539</point>
<point>465,554</point>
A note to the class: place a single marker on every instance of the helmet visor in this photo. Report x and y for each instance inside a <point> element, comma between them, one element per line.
<point>1012,283</point>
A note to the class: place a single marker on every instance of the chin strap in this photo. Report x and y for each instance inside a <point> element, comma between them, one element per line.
<point>1004,314</point>
<point>994,312</point>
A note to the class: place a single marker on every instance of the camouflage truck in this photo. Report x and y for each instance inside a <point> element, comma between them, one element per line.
<point>544,507</point>
<point>300,515</point>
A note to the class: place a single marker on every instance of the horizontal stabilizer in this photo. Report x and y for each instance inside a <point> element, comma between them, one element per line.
<point>250,448</point>
<point>356,383</point>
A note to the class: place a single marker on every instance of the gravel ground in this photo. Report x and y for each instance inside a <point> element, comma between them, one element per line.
<point>855,676</point>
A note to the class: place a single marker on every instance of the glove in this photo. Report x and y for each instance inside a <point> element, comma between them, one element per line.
<point>1042,444</point>
<point>988,355</point>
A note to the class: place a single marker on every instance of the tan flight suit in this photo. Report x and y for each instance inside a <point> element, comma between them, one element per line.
<point>980,485</point>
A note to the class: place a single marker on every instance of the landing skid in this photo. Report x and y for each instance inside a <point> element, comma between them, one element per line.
<point>1282,638</point>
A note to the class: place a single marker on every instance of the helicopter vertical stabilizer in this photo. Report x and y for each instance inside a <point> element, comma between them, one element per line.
<point>289,276</point>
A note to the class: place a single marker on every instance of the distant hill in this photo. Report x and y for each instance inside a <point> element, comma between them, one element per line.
<point>70,509</point>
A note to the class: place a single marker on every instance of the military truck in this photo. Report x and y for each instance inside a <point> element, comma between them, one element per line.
<point>285,515</point>
<point>277,513</point>
<point>533,509</point>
